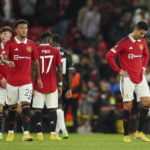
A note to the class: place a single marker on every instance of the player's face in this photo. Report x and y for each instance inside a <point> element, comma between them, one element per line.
<point>140,33</point>
<point>5,36</point>
<point>22,30</point>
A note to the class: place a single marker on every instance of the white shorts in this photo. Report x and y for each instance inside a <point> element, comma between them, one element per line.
<point>127,88</point>
<point>3,96</point>
<point>17,94</point>
<point>50,99</point>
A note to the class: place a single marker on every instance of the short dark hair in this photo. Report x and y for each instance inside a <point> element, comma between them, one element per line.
<point>6,28</point>
<point>142,26</point>
<point>57,38</point>
<point>20,21</point>
<point>45,35</point>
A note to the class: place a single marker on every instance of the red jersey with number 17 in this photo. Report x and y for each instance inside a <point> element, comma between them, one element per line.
<point>21,53</point>
<point>49,58</point>
<point>133,56</point>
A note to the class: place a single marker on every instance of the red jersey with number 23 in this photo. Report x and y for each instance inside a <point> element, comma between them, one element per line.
<point>21,54</point>
<point>133,56</point>
<point>49,59</point>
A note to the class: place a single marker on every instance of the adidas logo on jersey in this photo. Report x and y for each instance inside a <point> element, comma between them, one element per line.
<point>130,47</point>
<point>16,49</point>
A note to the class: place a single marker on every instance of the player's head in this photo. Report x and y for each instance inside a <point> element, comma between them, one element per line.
<point>5,34</point>
<point>46,37</point>
<point>21,28</point>
<point>57,40</point>
<point>140,30</point>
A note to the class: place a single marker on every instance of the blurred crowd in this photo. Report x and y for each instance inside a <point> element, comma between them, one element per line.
<point>89,28</point>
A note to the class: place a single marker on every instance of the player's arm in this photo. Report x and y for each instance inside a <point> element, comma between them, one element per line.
<point>110,57</point>
<point>2,79</point>
<point>68,94</point>
<point>59,79</point>
<point>10,64</point>
<point>37,72</point>
<point>5,55</point>
<point>70,71</point>
<point>145,56</point>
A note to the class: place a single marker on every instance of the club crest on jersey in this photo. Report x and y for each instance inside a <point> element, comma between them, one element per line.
<point>141,47</point>
<point>28,48</point>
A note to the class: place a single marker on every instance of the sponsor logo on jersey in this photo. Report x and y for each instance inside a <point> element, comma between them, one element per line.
<point>16,49</point>
<point>28,48</point>
<point>17,57</point>
<point>132,56</point>
<point>141,46</point>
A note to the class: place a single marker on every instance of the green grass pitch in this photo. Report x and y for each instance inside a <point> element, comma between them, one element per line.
<point>76,142</point>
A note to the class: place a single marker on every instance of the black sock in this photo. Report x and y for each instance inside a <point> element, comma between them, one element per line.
<point>38,116</point>
<point>142,118</point>
<point>1,121</point>
<point>53,119</point>
<point>26,116</point>
<point>126,114</point>
<point>11,117</point>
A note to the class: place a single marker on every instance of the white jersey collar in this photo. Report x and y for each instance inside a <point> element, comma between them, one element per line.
<point>19,42</point>
<point>132,39</point>
<point>44,44</point>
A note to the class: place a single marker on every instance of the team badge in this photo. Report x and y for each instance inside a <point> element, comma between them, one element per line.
<point>9,99</point>
<point>141,46</point>
<point>28,48</point>
<point>127,96</point>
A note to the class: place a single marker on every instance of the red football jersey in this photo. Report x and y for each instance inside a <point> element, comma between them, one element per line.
<point>22,55</point>
<point>49,58</point>
<point>3,68</point>
<point>133,56</point>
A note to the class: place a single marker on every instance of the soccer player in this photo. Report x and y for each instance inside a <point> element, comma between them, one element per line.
<point>18,55</point>
<point>133,55</point>
<point>67,70</point>
<point>49,60</point>
<point>5,35</point>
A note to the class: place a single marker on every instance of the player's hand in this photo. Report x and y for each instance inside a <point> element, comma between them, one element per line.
<point>59,91</point>
<point>40,84</point>
<point>11,64</point>
<point>19,109</point>
<point>124,73</point>
<point>68,94</point>
<point>3,83</point>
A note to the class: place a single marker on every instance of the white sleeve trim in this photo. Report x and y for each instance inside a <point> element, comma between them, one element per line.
<point>71,68</point>
<point>113,50</point>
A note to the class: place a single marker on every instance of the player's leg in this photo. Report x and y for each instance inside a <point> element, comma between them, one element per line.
<point>25,95</point>
<point>60,119</point>
<point>12,103</point>
<point>52,105</point>
<point>1,119</point>
<point>3,97</point>
<point>142,91</point>
<point>127,89</point>
<point>38,105</point>
<point>2,102</point>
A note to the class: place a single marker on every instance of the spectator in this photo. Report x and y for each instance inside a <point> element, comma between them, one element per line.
<point>91,23</point>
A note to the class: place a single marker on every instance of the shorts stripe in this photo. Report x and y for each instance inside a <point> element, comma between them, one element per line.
<point>122,87</point>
